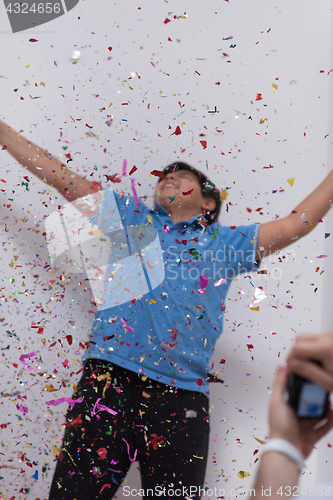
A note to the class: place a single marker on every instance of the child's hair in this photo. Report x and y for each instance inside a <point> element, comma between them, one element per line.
<point>208,188</point>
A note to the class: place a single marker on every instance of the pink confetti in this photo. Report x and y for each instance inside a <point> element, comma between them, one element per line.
<point>203,281</point>
<point>128,451</point>
<point>134,193</point>
<point>29,355</point>
<point>321,256</point>
<point>64,400</point>
<point>125,326</point>
<point>124,167</point>
<point>102,408</point>
<point>23,409</point>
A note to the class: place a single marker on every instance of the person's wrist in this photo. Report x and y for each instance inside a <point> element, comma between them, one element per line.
<point>285,447</point>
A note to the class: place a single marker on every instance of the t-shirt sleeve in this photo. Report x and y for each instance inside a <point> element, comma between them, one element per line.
<point>238,246</point>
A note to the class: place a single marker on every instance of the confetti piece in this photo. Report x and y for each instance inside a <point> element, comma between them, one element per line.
<point>105,486</point>
<point>275,86</point>
<point>29,355</point>
<point>23,409</point>
<point>133,170</point>
<point>102,408</point>
<point>222,281</point>
<point>102,452</point>
<point>305,222</point>
<point>224,195</point>
<point>203,281</point>
<point>64,400</point>
<point>203,144</point>
<point>136,199</point>
<point>128,451</point>
<point>158,173</point>
<point>291,181</point>
<point>259,440</point>
<point>241,474</point>
<point>177,131</point>
<point>321,256</point>
<point>4,148</point>
<point>55,450</point>
<point>258,97</point>
<point>33,40</point>
<point>124,167</point>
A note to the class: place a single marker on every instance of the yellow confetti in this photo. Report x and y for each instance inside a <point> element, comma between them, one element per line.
<point>241,474</point>
<point>3,77</point>
<point>97,233</point>
<point>50,388</point>
<point>150,219</point>
<point>27,65</point>
<point>262,120</point>
<point>145,394</point>
<point>55,450</point>
<point>224,195</point>
<point>275,86</point>
<point>142,358</point>
<point>291,181</point>
<point>110,104</point>
<point>153,301</point>
<point>254,308</point>
<point>259,440</point>
<point>42,83</point>
<point>76,361</point>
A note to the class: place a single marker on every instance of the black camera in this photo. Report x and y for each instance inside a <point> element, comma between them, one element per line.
<point>308,399</point>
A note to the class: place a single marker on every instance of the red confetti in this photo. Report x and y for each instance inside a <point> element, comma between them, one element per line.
<point>166,20</point>
<point>222,362</point>
<point>250,346</point>
<point>158,173</point>
<point>105,485</point>
<point>199,381</point>
<point>177,131</point>
<point>217,83</point>
<point>133,170</point>
<point>69,339</point>
<point>232,227</point>
<point>102,452</point>
<point>110,48</point>
<point>203,144</point>
<point>3,180</point>
<point>187,192</point>
<point>33,40</point>
<point>330,71</point>
<point>4,148</point>
<point>258,97</point>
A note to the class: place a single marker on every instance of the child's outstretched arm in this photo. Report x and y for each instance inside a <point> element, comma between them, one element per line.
<point>275,235</point>
<point>44,166</point>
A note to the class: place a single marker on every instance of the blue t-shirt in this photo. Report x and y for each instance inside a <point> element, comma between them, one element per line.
<point>160,289</point>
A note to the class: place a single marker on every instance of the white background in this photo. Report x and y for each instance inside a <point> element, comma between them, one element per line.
<point>282,43</point>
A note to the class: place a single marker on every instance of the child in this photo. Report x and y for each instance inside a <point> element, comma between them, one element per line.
<point>143,393</point>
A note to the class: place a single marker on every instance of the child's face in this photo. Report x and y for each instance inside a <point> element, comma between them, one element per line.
<point>171,192</point>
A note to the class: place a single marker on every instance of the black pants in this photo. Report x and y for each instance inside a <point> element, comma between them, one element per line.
<point>164,428</point>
